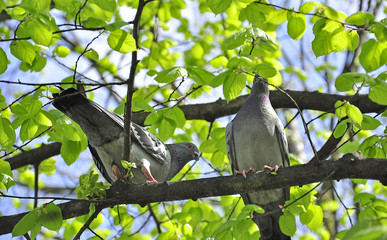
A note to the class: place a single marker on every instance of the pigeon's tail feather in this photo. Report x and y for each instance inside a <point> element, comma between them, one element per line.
<point>101,126</point>
<point>269,226</point>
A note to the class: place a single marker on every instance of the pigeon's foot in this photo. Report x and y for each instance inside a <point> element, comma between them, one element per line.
<point>275,169</point>
<point>243,172</point>
<point>116,171</point>
<point>146,170</point>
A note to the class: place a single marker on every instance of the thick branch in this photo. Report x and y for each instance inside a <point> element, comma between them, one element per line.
<point>35,156</point>
<point>210,111</point>
<point>349,166</point>
<point>306,100</point>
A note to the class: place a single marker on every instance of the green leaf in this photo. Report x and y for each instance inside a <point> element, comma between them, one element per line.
<point>238,38</point>
<point>7,133</point>
<point>340,129</point>
<point>329,36</point>
<point>364,198</point>
<point>354,40</point>
<point>360,18</point>
<point>306,217</point>
<point>199,75</point>
<point>317,219</point>
<point>354,113</point>
<point>121,41</point>
<point>296,25</point>
<point>233,85</point>
<point>349,147</point>
<point>265,70</point>
<point>366,229</point>
<point>371,55</point>
<point>95,22</point>
<point>177,115</point>
<point>377,93</point>
<point>23,50</point>
<point>171,74</point>
<point>27,223</point>
<point>39,30</point>
<point>51,217</point>
<point>28,129</point>
<point>166,129</point>
<point>220,79</point>
<point>36,6</point>
<point>238,62</point>
<point>92,54</point>
<point>115,25</point>
<point>277,17</point>
<point>287,224</point>
<point>219,61</point>
<point>70,151</point>
<point>380,31</point>
<point>3,61</point>
<point>345,81</point>
<point>218,6</point>
<point>224,227</point>
<point>6,176</point>
<point>309,6</point>
<point>340,109</point>
<point>61,51</point>
<point>369,123</point>
<point>42,119</point>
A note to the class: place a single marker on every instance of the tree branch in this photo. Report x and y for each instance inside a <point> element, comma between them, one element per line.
<point>349,166</point>
<point>220,108</point>
<point>34,156</point>
<point>306,100</point>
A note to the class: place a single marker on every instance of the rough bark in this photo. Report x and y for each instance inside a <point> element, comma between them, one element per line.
<point>349,166</point>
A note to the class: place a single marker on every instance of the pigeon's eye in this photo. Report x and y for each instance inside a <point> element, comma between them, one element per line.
<point>189,145</point>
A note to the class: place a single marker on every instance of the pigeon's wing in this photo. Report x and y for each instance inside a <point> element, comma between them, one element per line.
<point>98,162</point>
<point>283,145</point>
<point>230,145</point>
<point>150,143</point>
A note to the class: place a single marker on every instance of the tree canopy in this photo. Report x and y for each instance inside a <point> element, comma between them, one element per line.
<point>183,69</point>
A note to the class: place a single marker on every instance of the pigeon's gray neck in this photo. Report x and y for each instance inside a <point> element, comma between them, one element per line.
<point>260,87</point>
<point>177,162</point>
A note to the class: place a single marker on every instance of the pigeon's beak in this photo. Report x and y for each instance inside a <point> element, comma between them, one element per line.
<point>196,156</point>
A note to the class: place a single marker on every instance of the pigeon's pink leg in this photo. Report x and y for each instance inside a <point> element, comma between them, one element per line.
<point>147,172</point>
<point>244,172</point>
<point>116,171</point>
<point>276,167</point>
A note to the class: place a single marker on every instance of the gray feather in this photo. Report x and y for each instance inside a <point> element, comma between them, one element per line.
<point>255,138</point>
<point>104,130</point>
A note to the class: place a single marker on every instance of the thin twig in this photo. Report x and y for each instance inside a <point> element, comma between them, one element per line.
<point>129,93</point>
<point>87,223</point>
<point>154,217</point>
<point>342,203</point>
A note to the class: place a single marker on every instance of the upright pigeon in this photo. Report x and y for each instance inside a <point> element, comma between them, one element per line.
<point>155,161</point>
<point>255,138</point>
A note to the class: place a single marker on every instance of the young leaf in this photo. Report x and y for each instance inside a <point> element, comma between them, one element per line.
<point>354,113</point>
<point>26,224</point>
<point>345,81</point>
<point>287,224</point>
<point>171,74</point>
<point>3,61</point>
<point>51,217</point>
<point>70,151</point>
<point>7,133</point>
<point>371,55</point>
<point>234,85</point>
<point>121,41</point>
<point>296,25</point>
<point>218,6</point>
<point>6,174</point>
<point>23,50</point>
